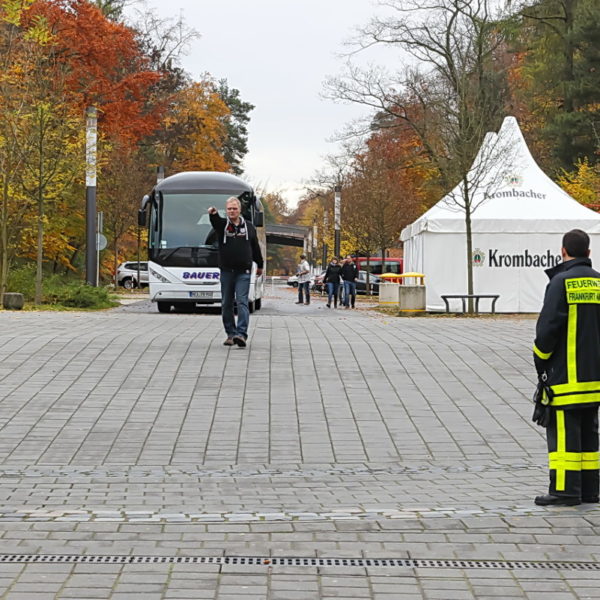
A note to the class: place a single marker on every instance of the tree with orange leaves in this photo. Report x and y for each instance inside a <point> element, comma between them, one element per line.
<point>194,130</point>
<point>105,67</point>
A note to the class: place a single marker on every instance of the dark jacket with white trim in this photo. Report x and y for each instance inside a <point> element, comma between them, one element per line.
<point>238,244</point>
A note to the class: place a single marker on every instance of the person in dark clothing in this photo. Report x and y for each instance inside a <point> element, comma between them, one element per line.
<point>349,276</point>
<point>238,249</point>
<point>566,353</point>
<point>332,279</point>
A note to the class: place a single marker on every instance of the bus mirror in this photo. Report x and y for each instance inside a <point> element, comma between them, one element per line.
<point>259,219</point>
<point>141,218</point>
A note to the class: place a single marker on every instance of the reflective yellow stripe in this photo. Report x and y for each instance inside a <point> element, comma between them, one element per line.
<point>560,449</point>
<point>570,399</point>
<point>572,344</point>
<point>577,386</point>
<point>572,456</point>
<point>574,461</point>
<point>590,461</point>
<point>562,466</point>
<point>542,355</point>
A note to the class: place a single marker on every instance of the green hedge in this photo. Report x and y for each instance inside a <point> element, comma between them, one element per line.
<point>58,290</point>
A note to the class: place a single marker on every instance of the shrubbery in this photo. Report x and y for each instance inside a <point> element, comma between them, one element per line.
<point>58,290</point>
<point>22,281</point>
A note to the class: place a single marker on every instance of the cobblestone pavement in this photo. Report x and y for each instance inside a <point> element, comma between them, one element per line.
<point>343,454</point>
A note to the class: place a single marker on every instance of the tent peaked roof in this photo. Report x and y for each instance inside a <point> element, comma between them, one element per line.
<point>510,194</point>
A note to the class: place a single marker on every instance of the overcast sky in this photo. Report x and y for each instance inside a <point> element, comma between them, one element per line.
<point>278,54</point>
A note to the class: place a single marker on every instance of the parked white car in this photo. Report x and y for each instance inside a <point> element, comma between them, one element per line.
<point>127,274</point>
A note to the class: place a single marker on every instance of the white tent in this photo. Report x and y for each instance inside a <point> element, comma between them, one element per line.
<point>519,218</point>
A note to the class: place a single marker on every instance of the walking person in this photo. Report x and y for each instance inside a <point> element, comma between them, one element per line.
<point>303,271</point>
<point>238,249</point>
<point>349,276</point>
<point>332,279</point>
<point>566,354</point>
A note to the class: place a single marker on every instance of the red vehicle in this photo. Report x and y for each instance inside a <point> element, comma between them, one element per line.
<point>378,265</point>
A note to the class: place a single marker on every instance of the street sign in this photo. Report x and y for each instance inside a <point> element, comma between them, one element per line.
<point>101,241</point>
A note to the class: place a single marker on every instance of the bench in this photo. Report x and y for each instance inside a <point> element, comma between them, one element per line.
<point>464,297</point>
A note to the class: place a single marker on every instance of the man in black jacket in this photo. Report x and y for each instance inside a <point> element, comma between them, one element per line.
<point>566,354</point>
<point>349,277</point>
<point>238,248</point>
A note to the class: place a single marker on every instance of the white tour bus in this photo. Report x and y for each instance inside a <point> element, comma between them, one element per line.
<point>182,245</point>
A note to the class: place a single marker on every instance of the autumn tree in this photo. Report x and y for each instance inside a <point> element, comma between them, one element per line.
<point>450,99</point>
<point>14,107</point>
<point>194,130</point>
<point>125,173</point>
<point>99,62</point>
<point>113,9</point>
<point>52,137</point>
<point>105,68</point>
<point>560,70</point>
<point>583,183</point>
<point>235,146</point>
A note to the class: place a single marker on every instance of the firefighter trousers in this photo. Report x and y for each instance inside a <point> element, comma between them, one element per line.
<point>572,437</point>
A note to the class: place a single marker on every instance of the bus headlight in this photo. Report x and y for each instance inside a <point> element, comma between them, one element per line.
<point>159,276</point>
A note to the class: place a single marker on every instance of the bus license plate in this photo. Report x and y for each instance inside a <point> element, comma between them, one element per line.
<point>201,294</point>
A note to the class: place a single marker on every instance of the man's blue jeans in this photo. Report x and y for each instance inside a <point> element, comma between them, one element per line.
<point>349,292</point>
<point>235,286</point>
<point>304,290</point>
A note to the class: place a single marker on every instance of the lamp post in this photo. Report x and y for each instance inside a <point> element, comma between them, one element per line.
<point>325,227</point>
<point>337,219</point>
<point>314,240</point>
<point>91,138</point>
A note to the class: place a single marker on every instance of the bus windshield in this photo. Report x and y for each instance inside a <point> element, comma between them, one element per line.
<point>182,221</point>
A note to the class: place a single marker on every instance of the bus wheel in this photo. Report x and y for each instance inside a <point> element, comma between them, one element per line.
<point>251,307</point>
<point>163,307</point>
<point>258,303</point>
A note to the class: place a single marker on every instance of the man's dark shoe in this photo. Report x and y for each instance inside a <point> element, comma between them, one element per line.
<point>239,340</point>
<point>550,500</point>
<point>590,499</point>
<point>298,302</point>
<point>228,342</point>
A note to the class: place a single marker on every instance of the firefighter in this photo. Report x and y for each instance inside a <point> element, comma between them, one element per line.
<point>566,354</point>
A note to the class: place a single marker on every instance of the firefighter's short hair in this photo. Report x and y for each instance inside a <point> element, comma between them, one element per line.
<point>576,243</point>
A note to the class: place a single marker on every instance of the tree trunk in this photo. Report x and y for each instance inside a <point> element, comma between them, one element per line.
<point>40,246</point>
<point>116,261</point>
<point>4,237</point>
<point>72,260</point>
<point>569,104</point>
<point>40,219</point>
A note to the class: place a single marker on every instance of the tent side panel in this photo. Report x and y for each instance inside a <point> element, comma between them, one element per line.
<point>413,254</point>
<point>444,265</point>
<point>509,264</point>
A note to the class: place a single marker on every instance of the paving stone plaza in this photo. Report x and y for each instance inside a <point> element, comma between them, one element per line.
<point>343,454</point>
